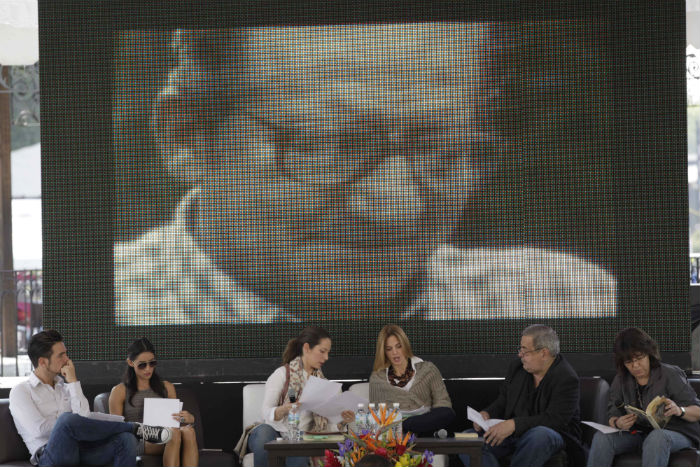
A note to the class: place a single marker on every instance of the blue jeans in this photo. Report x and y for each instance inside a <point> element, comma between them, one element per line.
<point>77,440</point>
<point>656,446</point>
<point>262,434</point>
<point>533,449</point>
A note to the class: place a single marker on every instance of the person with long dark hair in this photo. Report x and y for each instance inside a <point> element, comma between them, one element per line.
<point>140,381</point>
<point>303,357</point>
<point>641,376</point>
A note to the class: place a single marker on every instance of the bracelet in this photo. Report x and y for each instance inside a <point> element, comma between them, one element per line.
<point>682,412</point>
<point>615,423</point>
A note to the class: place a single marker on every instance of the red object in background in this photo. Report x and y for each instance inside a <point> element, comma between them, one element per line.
<point>24,312</point>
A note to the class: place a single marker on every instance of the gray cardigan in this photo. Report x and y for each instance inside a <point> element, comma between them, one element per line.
<point>427,389</point>
<point>666,380</point>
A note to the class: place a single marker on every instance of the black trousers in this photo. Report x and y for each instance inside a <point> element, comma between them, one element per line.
<point>430,422</point>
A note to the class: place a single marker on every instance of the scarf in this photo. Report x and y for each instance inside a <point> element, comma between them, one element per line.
<point>295,380</point>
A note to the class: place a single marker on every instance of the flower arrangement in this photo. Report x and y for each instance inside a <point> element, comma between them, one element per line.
<point>381,441</point>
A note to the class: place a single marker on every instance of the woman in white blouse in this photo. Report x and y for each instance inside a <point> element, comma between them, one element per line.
<point>303,357</point>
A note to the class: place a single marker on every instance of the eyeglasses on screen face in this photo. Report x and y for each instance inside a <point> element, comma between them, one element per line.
<point>143,365</point>
<point>336,153</point>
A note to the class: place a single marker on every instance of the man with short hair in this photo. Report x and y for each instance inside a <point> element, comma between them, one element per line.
<point>50,412</point>
<point>539,402</point>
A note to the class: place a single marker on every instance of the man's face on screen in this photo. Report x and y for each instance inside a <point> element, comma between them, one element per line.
<point>353,156</point>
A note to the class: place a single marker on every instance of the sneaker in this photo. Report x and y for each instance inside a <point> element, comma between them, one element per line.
<point>153,434</point>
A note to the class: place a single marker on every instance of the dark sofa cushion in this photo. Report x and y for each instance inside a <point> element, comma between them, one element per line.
<point>12,448</point>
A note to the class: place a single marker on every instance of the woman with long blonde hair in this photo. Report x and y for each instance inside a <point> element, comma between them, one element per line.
<point>400,376</point>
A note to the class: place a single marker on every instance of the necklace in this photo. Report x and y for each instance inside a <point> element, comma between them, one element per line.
<point>402,380</point>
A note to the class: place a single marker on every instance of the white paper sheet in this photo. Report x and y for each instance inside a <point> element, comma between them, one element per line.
<point>338,403</point>
<point>599,427</point>
<point>316,392</point>
<point>325,398</point>
<point>105,416</point>
<point>159,411</point>
<point>476,417</point>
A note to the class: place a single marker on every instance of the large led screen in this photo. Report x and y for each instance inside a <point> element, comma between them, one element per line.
<point>218,183</point>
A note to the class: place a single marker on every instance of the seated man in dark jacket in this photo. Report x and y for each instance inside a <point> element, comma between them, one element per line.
<point>539,402</point>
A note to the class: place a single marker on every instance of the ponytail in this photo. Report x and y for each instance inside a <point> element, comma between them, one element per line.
<point>311,335</point>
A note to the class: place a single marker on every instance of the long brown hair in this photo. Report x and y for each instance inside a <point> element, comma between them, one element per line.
<point>311,335</point>
<point>129,379</point>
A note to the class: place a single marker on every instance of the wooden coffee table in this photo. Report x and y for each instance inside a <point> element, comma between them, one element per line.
<point>277,451</point>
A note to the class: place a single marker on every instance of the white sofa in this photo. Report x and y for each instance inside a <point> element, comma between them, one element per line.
<point>253,395</point>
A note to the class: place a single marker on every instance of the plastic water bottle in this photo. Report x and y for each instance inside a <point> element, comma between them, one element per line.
<point>398,425</point>
<point>361,420</point>
<point>293,424</point>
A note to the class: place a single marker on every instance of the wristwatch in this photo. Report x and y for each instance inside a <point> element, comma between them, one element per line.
<point>682,412</point>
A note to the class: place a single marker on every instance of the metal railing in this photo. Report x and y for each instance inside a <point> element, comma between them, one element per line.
<point>21,308</point>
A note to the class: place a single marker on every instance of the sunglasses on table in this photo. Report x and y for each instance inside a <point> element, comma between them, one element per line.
<point>143,365</point>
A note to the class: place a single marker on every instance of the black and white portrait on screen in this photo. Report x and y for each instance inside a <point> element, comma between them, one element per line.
<point>331,171</point>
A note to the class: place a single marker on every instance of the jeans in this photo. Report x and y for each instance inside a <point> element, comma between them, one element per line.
<point>262,434</point>
<point>77,440</point>
<point>656,447</point>
<point>533,449</point>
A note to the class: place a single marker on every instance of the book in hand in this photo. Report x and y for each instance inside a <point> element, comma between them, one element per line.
<point>654,412</point>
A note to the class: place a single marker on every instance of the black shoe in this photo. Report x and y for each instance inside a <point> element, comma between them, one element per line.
<point>153,434</point>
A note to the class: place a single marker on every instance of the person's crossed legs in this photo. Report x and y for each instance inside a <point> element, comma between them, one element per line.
<point>533,448</point>
<point>77,440</point>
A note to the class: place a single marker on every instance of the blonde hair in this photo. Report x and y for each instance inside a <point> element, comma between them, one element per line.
<point>380,360</point>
